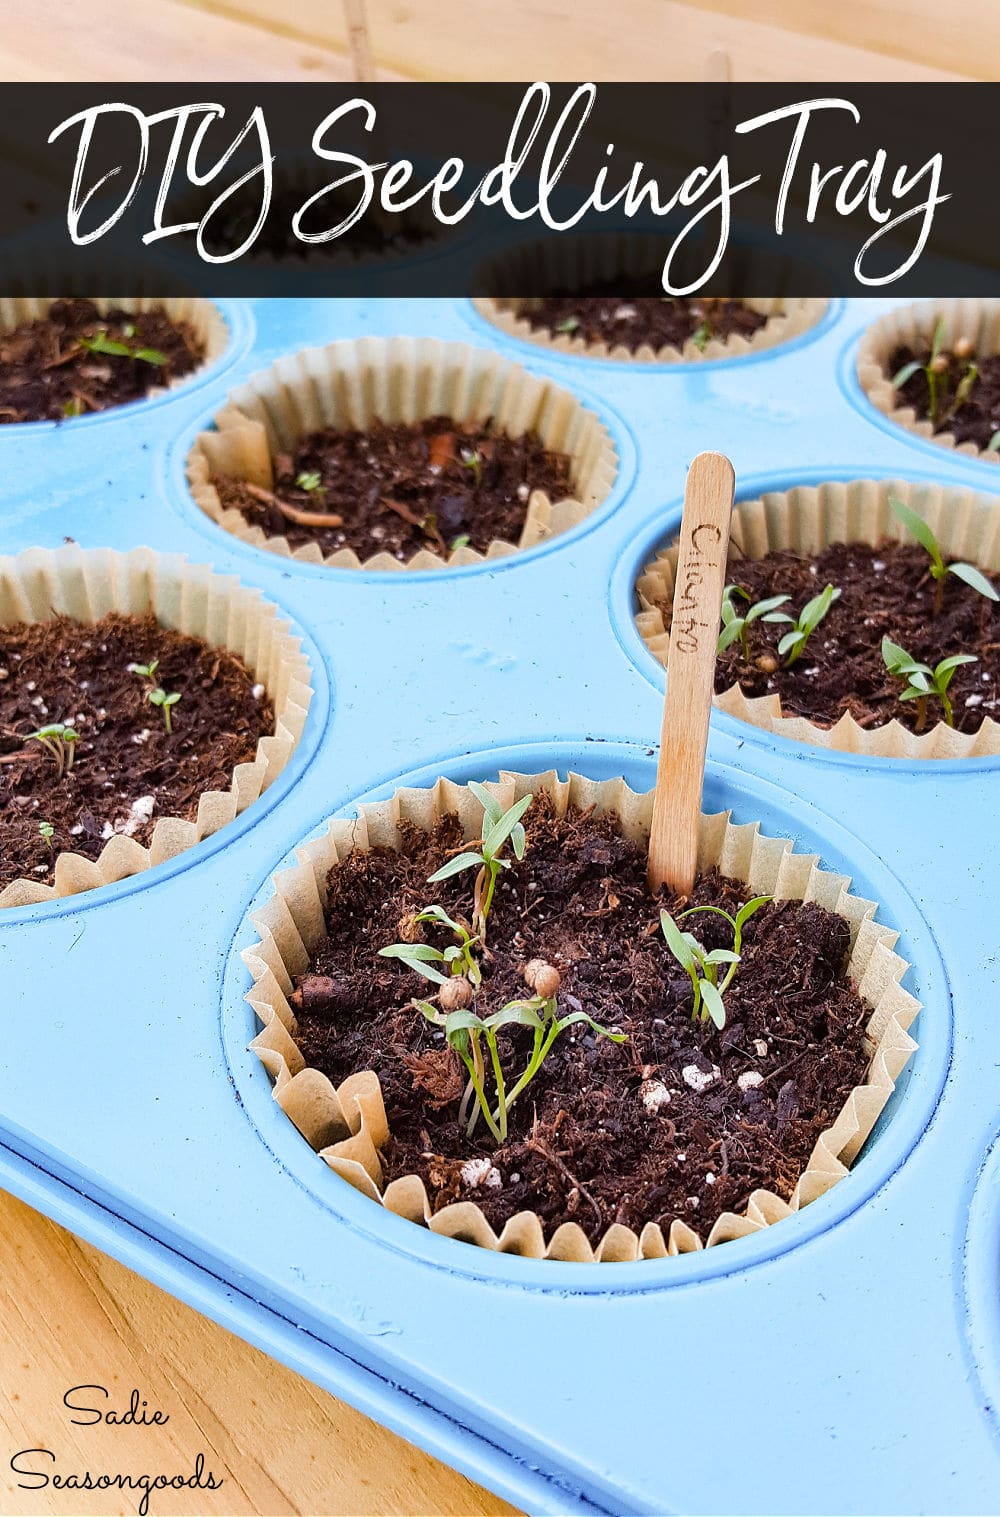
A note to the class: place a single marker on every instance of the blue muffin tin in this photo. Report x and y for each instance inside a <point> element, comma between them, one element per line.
<point>845,1360</point>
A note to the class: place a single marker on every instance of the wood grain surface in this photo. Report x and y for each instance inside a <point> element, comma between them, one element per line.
<point>70,1316</point>
<point>809,40</point>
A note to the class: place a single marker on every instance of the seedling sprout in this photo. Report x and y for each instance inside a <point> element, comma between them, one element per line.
<point>48,832</point>
<point>472,460</point>
<point>157,696</point>
<point>309,480</point>
<point>923,682</point>
<point>164,700</point>
<point>102,343</point>
<point>498,827</point>
<point>736,626</point>
<point>794,642</point>
<point>456,970</point>
<point>458,959</point>
<point>968,573</point>
<point>942,405</point>
<point>703,965</point>
<point>60,741</point>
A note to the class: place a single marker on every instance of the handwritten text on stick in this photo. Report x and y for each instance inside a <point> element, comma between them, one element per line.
<point>704,560</point>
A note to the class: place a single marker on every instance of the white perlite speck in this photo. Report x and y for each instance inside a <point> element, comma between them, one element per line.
<point>142,810</point>
<point>654,1095</point>
<point>476,1172</point>
<point>701,1080</point>
<point>749,1079</point>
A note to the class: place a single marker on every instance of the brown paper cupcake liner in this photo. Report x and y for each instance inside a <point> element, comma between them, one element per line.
<point>347,1124</point>
<point>398,379</point>
<point>806,520</point>
<point>913,326</point>
<point>191,598</point>
<point>203,316</point>
<point>566,262</point>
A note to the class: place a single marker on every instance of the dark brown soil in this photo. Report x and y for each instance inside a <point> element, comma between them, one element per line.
<point>977,419</point>
<point>77,673</point>
<point>48,374</point>
<point>587,1142</point>
<point>884,590</point>
<point>433,484</point>
<point>370,237</point>
<point>631,322</point>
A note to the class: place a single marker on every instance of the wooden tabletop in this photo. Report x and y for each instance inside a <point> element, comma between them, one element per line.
<point>71,1317</point>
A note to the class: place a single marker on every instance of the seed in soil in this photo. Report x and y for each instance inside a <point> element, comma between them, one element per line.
<point>636,1103</point>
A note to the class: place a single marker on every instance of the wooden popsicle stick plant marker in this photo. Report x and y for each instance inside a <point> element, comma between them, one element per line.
<point>694,634</point>
<point>359,41</point>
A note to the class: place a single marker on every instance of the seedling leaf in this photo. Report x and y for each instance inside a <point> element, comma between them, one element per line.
<point>491,806</point>
<point>974,577</point>
<point>714,1003</point>
<point>456,866</point>
<point>501,829</point>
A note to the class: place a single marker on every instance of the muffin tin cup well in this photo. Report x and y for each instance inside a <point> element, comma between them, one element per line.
<point>580,261</point>
<point>87,584</point>
<point>805,520</point>
<point>347,1125</point>
<point>203,316</point>
<point>398,379</point>
<point>913,326</point>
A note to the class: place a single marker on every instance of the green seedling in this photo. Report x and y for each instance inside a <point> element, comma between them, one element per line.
<point>993,446</point>
<point>736,626</point>
<point>48,832</point>
<point>942,402</point>
<point>793,643</point>
<point>466,1032</point>
<point>499,827</point>
<point>73,407</point>
<point>164,700</point>
<point>457,959</point>
<point>309,480</point>
<point>923,682</point>
<point>703,966</point>
<point>570,324</point>
<point>58,740</point>
<point>472,460</point>
<point>702,336</point>
<point>157,696</point>
<point>968,573</point>
<point>102,343</point>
